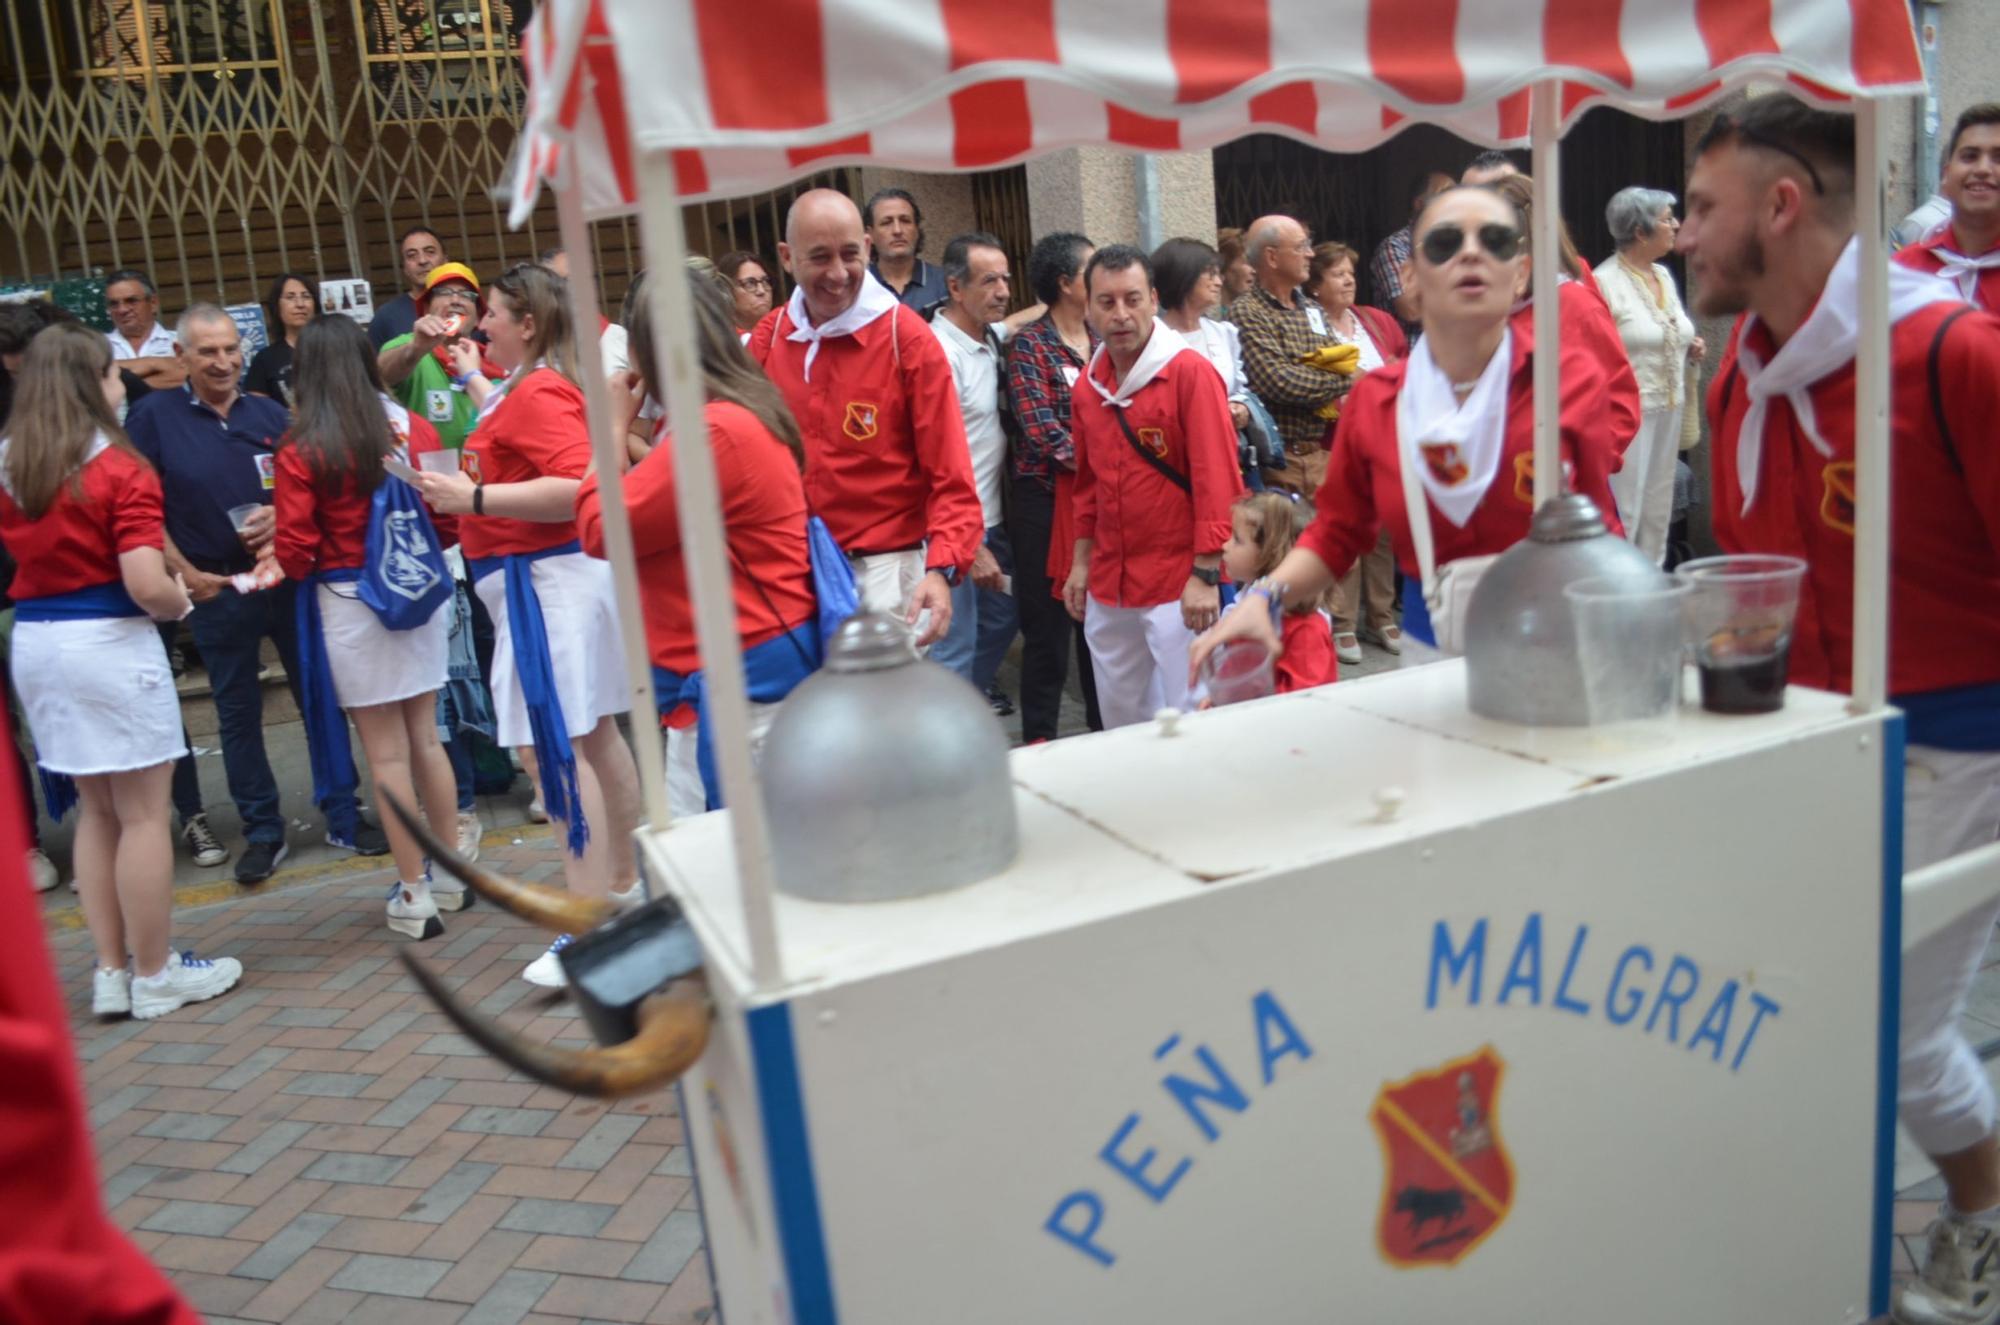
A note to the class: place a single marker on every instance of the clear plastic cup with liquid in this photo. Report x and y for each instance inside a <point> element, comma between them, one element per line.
<point>239,516</point>
<point>1631,651</point>
<point>1741,610</point>
<point>1237,671</point>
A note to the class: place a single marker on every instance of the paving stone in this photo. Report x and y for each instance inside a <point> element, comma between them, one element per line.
<point>178,1053</point>
<point>447,1194</point>
<point>497,1121</point>
<point>511,1298</point>
<point>334,1085</point>
<point>400,1276</point>
<point>380,1033</point>
<point>108,1039</point>
<point>249,1070</point>
<point>573,1218</point>
<point>272,1142</point>
<point>340,1166</point>
<point>206,1219</point>
<point>355,973</point>
<point>405,1108</point>
<point>668,1251</point>
<point>127,1181</point>
<point>307,1016</point>
<point>679,1163</point>
<point>187,1126</point>
<point>289,965</point>
<point>455,1045</point>
<point>283,1249</point>
<point>594,1149</point>
<point>118,1102</point>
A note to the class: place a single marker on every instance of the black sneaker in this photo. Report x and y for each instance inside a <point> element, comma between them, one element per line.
<point>1002,706</point>
<point>203,846</point>
<point>366,841</point>
<point>260,860</point>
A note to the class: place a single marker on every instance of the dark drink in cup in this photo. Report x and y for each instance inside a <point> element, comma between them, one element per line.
<point>1738,686</point>
<point>1740,611</point>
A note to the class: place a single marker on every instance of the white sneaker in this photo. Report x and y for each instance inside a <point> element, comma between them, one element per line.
<point>185,979</point>
<point>449,893</point>
<point>1960,1280</point>
<point>1347,647</point>
<point>110,992</point>
<point>42,872</point>
<point>536,814</point>
<point>413,912</point>
<point>469,829</point>
<point>630,899</point>
<point>546,970</point>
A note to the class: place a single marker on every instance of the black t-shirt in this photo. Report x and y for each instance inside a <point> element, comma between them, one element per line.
<point>271,373</point>
<point>396,318</point>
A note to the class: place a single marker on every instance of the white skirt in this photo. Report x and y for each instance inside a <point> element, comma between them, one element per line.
<point>372,664</point>
<point>98,694</point>
<point>586,649</point>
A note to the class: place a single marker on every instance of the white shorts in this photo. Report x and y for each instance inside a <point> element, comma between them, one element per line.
<point>98,694</point>
<point>586,650</point>
<point>372,664</point>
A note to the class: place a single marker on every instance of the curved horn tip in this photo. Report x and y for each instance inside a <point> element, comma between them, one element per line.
<point>554,909</point>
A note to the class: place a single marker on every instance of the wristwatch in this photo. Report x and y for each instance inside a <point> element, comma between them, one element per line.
<point>1208,575</point>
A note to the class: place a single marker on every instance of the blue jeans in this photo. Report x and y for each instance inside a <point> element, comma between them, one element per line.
<point>229,630</point>
<point>983,621</point>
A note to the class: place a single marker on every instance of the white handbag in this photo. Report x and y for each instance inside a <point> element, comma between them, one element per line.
<point>1448,588</point>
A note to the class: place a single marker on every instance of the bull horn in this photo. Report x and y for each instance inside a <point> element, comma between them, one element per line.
<point>554,909</point>
<point>673,1032</point>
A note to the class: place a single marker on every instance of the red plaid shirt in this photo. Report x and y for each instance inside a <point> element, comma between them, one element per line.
<point>1038,390</point>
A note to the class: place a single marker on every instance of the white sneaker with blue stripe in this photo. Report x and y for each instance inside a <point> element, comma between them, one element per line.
<point>185,979</point>
<point>413,912</point>
<point>546,970</point>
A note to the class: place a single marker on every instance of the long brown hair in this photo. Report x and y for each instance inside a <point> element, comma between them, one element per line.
<point>340,427</point>
<point>1280,519</point>
<point>1520,190</point>
<point>727,371</point>
<point>59,410</point>
<point>532,290</point>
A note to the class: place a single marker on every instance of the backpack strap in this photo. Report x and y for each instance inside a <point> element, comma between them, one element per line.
<point>1937,389</point>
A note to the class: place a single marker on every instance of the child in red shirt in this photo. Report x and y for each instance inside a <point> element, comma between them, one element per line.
<point>1263,526</point>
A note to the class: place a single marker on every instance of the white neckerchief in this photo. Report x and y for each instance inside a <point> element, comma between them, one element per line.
<point>1959,269</point>
<point>873,301</point>
<point>1161,347</point>
<point>1429,414</point>
<point>1823,344</point>
<point>399,424</point>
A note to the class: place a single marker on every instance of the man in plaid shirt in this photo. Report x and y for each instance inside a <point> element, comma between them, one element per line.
<point>1281,326</point>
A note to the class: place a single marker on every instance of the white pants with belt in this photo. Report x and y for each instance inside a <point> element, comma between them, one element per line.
<point>1951,804</point>
<point>1140,656</point>
<point>1644,486</point>
<point>886,581</point>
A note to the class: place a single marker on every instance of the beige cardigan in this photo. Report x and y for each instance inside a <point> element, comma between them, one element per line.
<point>1656,339</point>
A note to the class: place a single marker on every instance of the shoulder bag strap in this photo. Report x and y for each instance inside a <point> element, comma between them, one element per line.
<point>769,606</point>
<point>1173,475</point>
<point>1937,390</point>
<point>1419,513</point>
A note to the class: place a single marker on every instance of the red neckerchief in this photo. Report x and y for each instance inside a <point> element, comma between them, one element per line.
<point>487,368</point>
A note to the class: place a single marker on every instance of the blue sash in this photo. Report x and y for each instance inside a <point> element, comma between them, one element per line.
<point>332,757</point>
<point>1961,718</point>
<point>1417,613</point>
<point>96,603</point>
<point>771,671</point>
<point>529,635</point>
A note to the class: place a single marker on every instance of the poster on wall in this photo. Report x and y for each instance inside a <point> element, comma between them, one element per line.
<point>250,326</point>
<point>348,298</point>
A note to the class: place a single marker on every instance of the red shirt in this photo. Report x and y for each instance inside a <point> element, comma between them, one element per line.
<point>76,543</point>
<point>538,430</point>
<point>1922,256</point>
<point>887,464</point>
<point>763,517</point>
<point>1391,341</point>
<point>1308,659</point>
<point>328,530</point>
<point>1363,491</point>
<point>1586,322</point>
<point>1944,519</point>
<point>1147,531</point>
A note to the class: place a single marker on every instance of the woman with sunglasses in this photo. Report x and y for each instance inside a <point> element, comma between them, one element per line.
<point>1460,410</point>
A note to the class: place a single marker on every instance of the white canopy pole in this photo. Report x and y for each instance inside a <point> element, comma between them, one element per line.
<point>1871,420</point>
<point>1544,129</point>
<point>608,453</point>
<point>725,703</point>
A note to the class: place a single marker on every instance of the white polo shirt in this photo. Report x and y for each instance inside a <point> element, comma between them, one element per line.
<point>975,369</point>
<point>160,344</point>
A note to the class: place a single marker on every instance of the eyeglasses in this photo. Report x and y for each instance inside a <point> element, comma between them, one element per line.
<point>754,283</point>
<point>1445,241</point>
<point>1765,141</point>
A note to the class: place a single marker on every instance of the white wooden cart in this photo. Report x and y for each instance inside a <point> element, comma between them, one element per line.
<point>1573,1033</point>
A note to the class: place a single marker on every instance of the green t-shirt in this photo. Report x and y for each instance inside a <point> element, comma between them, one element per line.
<point>428,393</point>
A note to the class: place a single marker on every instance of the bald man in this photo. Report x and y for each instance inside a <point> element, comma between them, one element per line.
<point>887,465</point>
<point>1280,326</point>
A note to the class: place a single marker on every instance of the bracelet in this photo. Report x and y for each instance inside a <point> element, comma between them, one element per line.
<point>479,499</point>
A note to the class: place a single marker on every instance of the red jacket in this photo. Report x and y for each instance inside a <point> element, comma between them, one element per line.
<point>537,430</point>
<point>1586,322</point>
<point>1146,530</point>
<point>76,544</point>
<point>1944,519</point>
<point>321,530</point>
<point>1363,491</point>
<point>764,519</point>
<point>887,464</point>
<point>1385,331</point>
<point>1922,256</point>
<point>1308,659</point>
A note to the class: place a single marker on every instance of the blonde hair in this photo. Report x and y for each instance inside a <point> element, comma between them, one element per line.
<point>59,410</point>
<point>1280,519</point>
<point>532,290</point>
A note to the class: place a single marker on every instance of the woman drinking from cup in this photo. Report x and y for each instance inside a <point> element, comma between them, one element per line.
<point>81,514</point>
<point>558,667</point>
<point>328,469</point>
<point>1458,415</point>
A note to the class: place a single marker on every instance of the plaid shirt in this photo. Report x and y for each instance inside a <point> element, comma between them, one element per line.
<point>1039,394</point>
<point>1275,338</point>
<point>1387,269</point>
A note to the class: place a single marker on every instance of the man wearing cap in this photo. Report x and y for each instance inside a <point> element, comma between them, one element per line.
<point>418,367</point>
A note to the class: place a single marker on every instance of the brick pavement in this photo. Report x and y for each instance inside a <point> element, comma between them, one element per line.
<point>321,1145</point>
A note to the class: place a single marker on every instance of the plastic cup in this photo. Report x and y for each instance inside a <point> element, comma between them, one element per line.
<point>1237,671</point>
<point>1630,643</point>
<point>1740,615</point>
<point>438,462</point>
<point>239,516</point>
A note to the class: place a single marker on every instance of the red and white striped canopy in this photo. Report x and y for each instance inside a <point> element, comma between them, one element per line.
<point>748,94</point>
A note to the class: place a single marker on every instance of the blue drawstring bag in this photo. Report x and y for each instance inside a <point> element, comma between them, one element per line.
<point>832,577</point>
<point>403,576</point>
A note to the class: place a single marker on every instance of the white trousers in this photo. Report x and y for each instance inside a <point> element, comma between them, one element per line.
<point>1644,488</point>
<point>1140,657</point>
<point>887,581</point>
<point>1951,804</point>
<point>686,797</point>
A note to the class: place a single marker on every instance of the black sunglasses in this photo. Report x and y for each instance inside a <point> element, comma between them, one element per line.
<point>1445,241</point>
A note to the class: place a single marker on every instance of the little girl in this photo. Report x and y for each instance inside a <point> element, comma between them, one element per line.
<point>1263,528</point>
